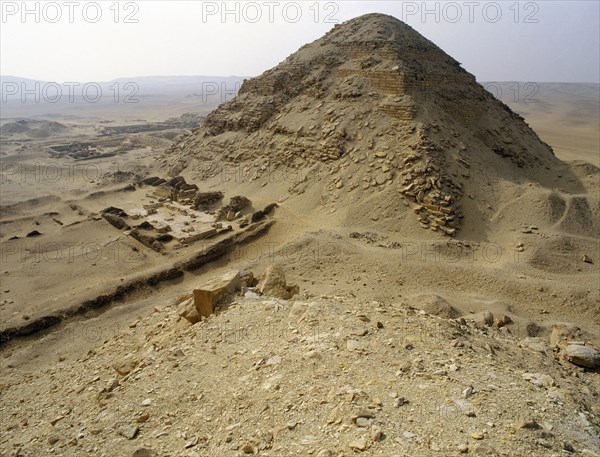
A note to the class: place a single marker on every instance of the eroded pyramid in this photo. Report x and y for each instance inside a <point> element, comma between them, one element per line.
<point>379,110</point>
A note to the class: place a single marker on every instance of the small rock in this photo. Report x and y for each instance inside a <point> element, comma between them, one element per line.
<point>377,434</point>
<point>191,443</point>
<point>535,344</point>
<point>125,366</point>
<point>354,345</point>
<point>273,283</point>
<point>147,402</point>
<point>144,452</point>
<point>129,431</point>
<point>364,413</point>
<point>462,448</point>
<point>380,179</point>
<point>112,384</point>
<point>400,402</point>
<point>54,421</point>
<point>363,422</point>
<point>482,319</point>
<point>528,424</point>
<point>539,379</point>
<point>586,259</point>
<point>188,311</point>
<point>563,333</point>
<point>142,418</point>
<point>248,448</point>
<point>359,444</point>
<point>275,360</point>
<point>585,356</point>
<point>291,425</point>
<point>502,320</point>
<point>484,450</point>
<point>437,306</point>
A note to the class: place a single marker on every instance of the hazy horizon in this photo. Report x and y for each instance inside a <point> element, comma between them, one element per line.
<point>546,42</point>
<point>129,77</point>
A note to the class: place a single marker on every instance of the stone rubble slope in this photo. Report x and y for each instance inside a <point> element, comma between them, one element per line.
<point>323,376</point>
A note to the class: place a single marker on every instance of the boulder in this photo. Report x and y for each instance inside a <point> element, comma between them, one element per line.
<point>585,356</point>
<point>129,431</point>
<point>270,207</point>
<point>125,366</point>
<point>257,216</point>
<point>209,294</point>
<point>563,333</point>
<point>437,306</point>
<point>187,310</point>
<point>273,283</point>
<point>502,320</point>
<point>482,319</point>
<point>248,279</point>
<point>261,214</point>
<point>535,344</point>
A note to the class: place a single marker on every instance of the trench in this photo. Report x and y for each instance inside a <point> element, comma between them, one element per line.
<point>173,271</point>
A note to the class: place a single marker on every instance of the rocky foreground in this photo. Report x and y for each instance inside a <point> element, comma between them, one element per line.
<point>320,376</point>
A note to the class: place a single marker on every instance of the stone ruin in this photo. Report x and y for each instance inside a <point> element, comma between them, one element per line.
<point>182,213</point>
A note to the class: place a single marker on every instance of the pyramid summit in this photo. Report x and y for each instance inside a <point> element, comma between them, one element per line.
<point>384,114</point>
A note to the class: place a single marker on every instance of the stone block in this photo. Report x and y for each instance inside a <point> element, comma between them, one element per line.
<point>210,293</point>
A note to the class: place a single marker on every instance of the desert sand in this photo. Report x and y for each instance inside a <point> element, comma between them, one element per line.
<point>445,247</point>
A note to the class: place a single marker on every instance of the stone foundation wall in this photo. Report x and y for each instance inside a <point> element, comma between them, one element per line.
<point>404,113</point>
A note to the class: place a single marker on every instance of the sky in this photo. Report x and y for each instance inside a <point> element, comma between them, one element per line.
<point>542,41</point>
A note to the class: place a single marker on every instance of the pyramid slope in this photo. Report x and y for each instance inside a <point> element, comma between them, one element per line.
<point>380,109</point>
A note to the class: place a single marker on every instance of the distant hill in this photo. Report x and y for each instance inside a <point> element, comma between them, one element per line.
<point>147,97</point>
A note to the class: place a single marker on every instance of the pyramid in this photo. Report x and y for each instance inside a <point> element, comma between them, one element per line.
<point>381,111</point>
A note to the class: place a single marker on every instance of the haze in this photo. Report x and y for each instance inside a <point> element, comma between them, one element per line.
<point>59,41</point>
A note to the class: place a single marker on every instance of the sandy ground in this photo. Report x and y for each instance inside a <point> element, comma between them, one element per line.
<point>80,256</point>
<point>566,116</point>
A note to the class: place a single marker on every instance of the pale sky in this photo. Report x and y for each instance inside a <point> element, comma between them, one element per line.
<point>544,41</point>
